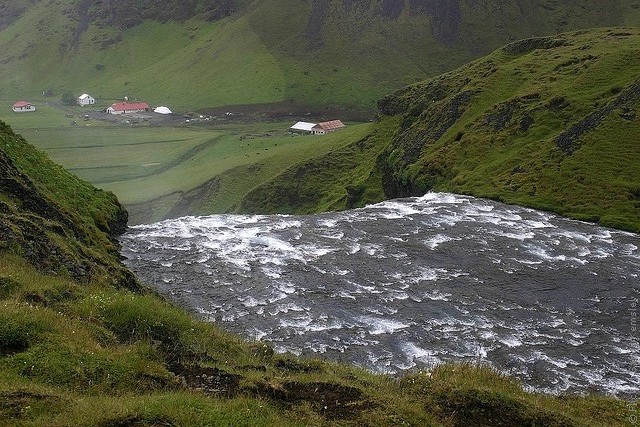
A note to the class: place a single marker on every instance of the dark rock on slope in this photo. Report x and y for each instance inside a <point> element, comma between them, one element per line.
<point>567,141</point>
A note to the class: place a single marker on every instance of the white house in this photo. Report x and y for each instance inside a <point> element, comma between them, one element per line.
<point>23,107</point>
<point>327,127</point>
<point>128,108</point>
<point>302,127</point>
<point>85,99</point>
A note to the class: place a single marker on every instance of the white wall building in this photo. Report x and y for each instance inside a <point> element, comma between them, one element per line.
<point>327,127</point>
<point>23,107</point>
<point>302,127</point>
<point>86,99</point>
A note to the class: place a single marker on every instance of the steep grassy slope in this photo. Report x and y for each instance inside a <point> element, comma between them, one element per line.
<point>77,348</point>
<point>55,221</point>
<point>552,123</point>
<point>314,53</point>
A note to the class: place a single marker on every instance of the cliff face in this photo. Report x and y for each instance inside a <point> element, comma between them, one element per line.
<point>127,14</point>
<point>44,226</point>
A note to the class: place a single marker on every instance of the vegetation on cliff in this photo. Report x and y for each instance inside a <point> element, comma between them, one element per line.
<point>54,220</point>
<point>552,123</point>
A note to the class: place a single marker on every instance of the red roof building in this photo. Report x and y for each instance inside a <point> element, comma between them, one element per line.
<point>128,107</point>
<point>326,127</point>
<point>23,106</point>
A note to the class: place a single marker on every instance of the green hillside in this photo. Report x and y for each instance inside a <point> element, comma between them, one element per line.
<point>82,343</point>
<point>485,129</point>
<point>311,54</point>
<point>552,123</point>
<point>55,221</point>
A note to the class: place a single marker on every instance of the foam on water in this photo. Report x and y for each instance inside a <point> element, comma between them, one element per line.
<point>511,341</point>
<point>437,240</point>
<point>307,323</point>
<point>414,353</point>
<point>413,282</point>
<point>286,308</point>
<point>437,295</point>
<point>377,325</point>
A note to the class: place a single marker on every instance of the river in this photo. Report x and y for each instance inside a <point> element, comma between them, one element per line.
<point>410,283</point>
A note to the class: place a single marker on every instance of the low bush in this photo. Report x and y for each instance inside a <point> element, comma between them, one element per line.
<point>18,328</point>
<point>134,318</point>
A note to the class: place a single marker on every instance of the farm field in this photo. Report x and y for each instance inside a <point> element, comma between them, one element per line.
<point>155,165</point>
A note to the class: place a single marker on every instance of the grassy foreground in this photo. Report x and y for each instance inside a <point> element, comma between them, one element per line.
<point>83,343</point>
<point>88,354</point>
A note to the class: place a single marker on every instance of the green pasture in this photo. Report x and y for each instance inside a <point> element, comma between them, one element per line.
<point>45,116</point>
<point>231,148</point>
<point>234,148</point>
<point>142,164</point>
<point>266,159</point>
<point>104,155</point>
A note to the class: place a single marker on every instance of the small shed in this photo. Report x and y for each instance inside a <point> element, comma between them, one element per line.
<point>23,107</point>
<point>327,127</point>
<point>162,110</point>
<point>86,99</point>
<point>302,127</point>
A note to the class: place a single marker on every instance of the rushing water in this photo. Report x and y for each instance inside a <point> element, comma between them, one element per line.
<point>414,282</point>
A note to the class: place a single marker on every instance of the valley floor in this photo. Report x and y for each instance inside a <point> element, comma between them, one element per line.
<point>160,165</point>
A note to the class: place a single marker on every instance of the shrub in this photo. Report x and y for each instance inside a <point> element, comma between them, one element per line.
<point>68,98</point>
<point>139,317</point>
<point>18,329</point>
<point>7,286</point>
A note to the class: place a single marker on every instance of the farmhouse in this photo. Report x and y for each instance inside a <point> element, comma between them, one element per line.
<point>327,127</point>
<point>302,127</point>
<point>86,99</point>
<point>128,108</point>
<point>23,107</point>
